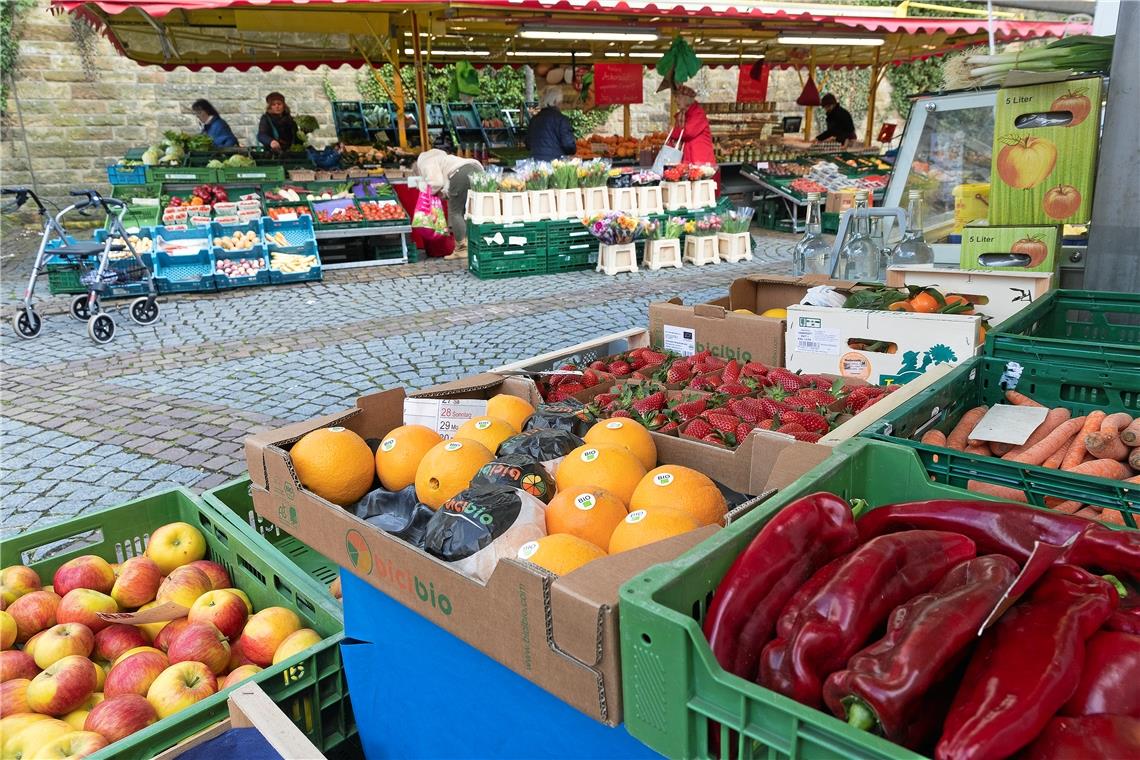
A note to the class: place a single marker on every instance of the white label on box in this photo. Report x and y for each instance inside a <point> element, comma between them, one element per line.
<point>681,340</point>
<point>817,340</point>
<point>517,240</point>
<point>443,415</point>
<point>1006,423</point>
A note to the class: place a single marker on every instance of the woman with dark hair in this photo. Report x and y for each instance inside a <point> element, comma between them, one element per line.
<point>277,131</point>
<point>213,125</point>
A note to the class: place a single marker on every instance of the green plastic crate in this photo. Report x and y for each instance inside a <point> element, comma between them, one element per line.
<point>500,266</point>
<point>63,279</point>
<point>251,174</point>
<point>975,382</point>
<point>181,175</point>
<point>128,193</point>
<point>1073,327</point>
<point>672,684</point>
<point>573,261</point>
<point>529,237</point>
<point>309,687</point>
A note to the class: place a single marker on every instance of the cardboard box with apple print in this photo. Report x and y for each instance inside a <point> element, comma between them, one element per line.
<point>1044,154</point>
<point>1013,248</point>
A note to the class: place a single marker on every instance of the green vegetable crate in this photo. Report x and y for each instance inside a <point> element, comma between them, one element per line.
<point>1054,384</point>
<point>181,175</point>
<point>674,689</point>
<point>251,174</point>
<point>309,687</point>
<point>1095,329</point>
<point>500,266</point>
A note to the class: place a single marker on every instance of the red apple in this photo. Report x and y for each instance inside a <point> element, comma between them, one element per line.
<point>61,641</point>
<point>295,643</point>
<point>83,605</point>
<point>179,686</point>
<point>237,657</point>
<point>33,612</point>
<point>17,580</point>
<point>17,664</point>
<point>88,571</point>
<point>217,574</point>
<point>169,631</point>
<point>14,697</point>
<point>200,642</point>
<point>62,687</point>
<point>73,746</point>
<point>243,596</point>
<point>117,638</point>
<point>239,674</point>
<point>184,586</point>
<point>7,630</point>
<point>77,717</point>
<point>225,610</point>
<point>176,544</point>
<point>1061,202</point>
<point>265,631</point>
<point>137,583</point>
<point>134,674</point>
<point>120,717</point>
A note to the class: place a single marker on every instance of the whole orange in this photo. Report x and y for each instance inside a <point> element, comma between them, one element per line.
<point>448,468</point>
<point>335,464</point>
<point>586,512</point>
<point>400,453</point>
<point>560,553</point>
<point>683,489</point>
<point>642,527</point>
<point>627,434</point>
<point>605,465</point>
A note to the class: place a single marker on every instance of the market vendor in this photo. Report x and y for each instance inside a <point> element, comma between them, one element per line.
<point>840,125</point>
<point>213,124</point>
<point>277,131</point>
<point>692,128</point>
<point>550,135</point>
<point>449,177</point>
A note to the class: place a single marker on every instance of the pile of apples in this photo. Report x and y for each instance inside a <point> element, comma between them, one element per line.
<point>78,683</point>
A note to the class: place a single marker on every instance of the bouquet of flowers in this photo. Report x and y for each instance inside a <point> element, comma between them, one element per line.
<point>593,173</point>
<point>512,184</point>
<point>666,229</point>
<point>538,178</point>
<point>737,220</point>
<point>564,175</point>
<point>646,178</point>
<point>614,227</point>
<point>706,225</point>
<point>675,173</point>
<point>485,182</point>
<point>701,171</point>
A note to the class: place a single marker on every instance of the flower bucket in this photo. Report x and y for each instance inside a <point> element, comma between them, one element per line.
<point>484,208</point>
<point>677,196</point>
<point>624,199</point>
<point>734,246</point>
<point>701,250</point>
<point>663,253</point>
<point>568,203</point>
<point>542,205</point>
<point>704,193</point>
<point>650,200</point>
<point>613,259</point>
<point>596,199</point>
<point>516,207</point>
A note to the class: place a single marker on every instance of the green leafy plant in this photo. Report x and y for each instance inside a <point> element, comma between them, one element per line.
<point>10,13</point>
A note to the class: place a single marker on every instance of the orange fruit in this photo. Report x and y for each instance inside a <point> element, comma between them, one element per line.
<point>510,408</point>
<point>627,434</point>
<point>448,468</point>
<point>489,431</point>
<point>924,303</point>
<point>335,464</point>
<point>603,465</point>
<point>586,512</point>
<point>560,553</point>
<point>399,455</point>
<point>642,527</point>
<point>900,306</point>
<point>682,489</point>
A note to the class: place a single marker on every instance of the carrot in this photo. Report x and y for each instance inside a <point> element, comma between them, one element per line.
<point>1106,443</point>
<point>982,449</point>
<point>934,438</point>
<point>1103,468</point>
<point>1043,449</point>
<point>1134,459</point>
<point>1001,449</point>
<point>1054,418</point>
<point>1131,434</point>
<point>1054,460</point>
<point>1020,399</point>
<point>1068,507</point>
<point>1113,516</point>
<point>961,432</point>
<point>1002,492</point>
<point>1088,513</point>
<point>1076,453</point>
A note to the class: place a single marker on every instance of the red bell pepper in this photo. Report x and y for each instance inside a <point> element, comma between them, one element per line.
<point>837,620</point>
<point>1126,619</point>
<point>1026,666</point>
<point>1092,737</point>
<point>893,686</point>
<point>795,543</point>
<point>1012,529</point>
<point>1110,678</point>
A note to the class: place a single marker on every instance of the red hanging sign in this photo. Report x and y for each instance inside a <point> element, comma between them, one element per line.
<point>618,83</point>
<point>749,90</point>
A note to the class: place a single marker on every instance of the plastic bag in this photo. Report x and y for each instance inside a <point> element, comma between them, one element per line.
<point>396,512</point>
<point>517,471</point>
<point>480,525</point>
<point>568,414</point>
<point>544,445</point>
<point>429,218</point>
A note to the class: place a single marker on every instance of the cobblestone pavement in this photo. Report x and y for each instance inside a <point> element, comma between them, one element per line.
<point>87,427</point>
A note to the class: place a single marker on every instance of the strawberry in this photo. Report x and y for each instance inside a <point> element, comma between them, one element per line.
<point>689,409</point>
<point>652,403</point>
<point>725,440</point>
<point>654,421</point>
<point>813,398</point>
<point>653,357</point>
<point>768,424</point>
<point>637,363</point>
<point>725,423</point>
<point>770,408</point>
<point>783,378</point>
<point>604,399</point>
<point>590,378</point>
<point>731,371</point>
<point>791,427</point>
<point>698,428</point>
<point>668,427</point>
<point>700,357</point>
<point>703,384</point>
<point>568,389</point>
<point>620,368</point>
<point>754,369</point>
<point>817,381</point>
<point>806,437</point>
<point>810,421</point>
<point>678,373</point>
<point>747,409</point>
<point>735,389</point>
<point>598,366</point>
<point>742,431</point>
<point>621,413</point>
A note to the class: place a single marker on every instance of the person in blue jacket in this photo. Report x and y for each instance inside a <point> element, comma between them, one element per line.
<point>550,135</point>
<point>213,125</point>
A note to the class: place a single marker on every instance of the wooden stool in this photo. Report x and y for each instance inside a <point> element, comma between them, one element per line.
<point>650,201</point>
<point>484,207</point>
<point>624,199</point>
<point>613,259</point>
<point>677,196</point>
<point>516,207</point>
<point>701,250</point>
<point>595,200</point>
<point>734,246</point>
<point>660,254</point>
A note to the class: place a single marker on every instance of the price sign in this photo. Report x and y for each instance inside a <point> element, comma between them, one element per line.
<point>749,90</point>
<point>618,83</point>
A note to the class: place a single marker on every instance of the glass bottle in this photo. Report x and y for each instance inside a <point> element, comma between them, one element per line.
<point>812,253</point>
<point>860,257</point>
<point>913,248</point>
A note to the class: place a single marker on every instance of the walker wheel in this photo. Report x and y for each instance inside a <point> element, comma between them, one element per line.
<point>144,310</point>
<point>101,328</point>
<point>27,323</point>
<point>79,308</point>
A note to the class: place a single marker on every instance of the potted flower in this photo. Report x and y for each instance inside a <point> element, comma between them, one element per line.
<point>700,240</point>
<point>663,243</point>
<point>483,202</point>
<point>567,193</point>
<point>676,190</point>
<point>733,241</point>
<point>593,176</point>
<point>539,192</point>
<point>516,202</point>
<point>704,186</point>
<point>615,232</point>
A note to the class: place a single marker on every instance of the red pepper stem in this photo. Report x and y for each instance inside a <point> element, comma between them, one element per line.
<point>860,715</point>
<point>1121,589</point>
<point>859,507</point>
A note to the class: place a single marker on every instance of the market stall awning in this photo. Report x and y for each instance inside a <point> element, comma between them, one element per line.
<point>266,33</point>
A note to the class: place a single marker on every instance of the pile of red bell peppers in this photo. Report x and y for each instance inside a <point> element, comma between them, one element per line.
<point>876,618</point>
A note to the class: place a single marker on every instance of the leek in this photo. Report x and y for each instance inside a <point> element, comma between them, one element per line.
<point>1080,53</point>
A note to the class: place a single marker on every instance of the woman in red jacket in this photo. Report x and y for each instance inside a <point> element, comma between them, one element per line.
<point>692,126</point>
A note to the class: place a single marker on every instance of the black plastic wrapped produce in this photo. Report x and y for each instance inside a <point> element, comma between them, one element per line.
<point>542,444</point>
<point>517,471</point>
<point>395,512</point>
<point>569,415</point>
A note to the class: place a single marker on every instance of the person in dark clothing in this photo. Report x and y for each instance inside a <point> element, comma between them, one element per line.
<point>213,125</point>
<point>277,131</point>
<point>840,125</point>
<point>550,135</point>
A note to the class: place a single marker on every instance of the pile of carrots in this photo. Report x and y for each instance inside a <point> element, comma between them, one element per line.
<point>1100,444</point>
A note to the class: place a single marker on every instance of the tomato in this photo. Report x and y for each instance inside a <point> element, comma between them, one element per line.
<point>1075,103</point>
<point>1035,249</point>
<point>1027,162</point>
<point>1061,202</point>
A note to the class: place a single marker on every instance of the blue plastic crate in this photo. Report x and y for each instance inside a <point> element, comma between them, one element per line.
<point>223,230</point>
<point>126,175</point>
<point>224,282</point>
<point>193,273</point>
<point>297,233</point>
<point>163,235</point>
<point>314,273</point>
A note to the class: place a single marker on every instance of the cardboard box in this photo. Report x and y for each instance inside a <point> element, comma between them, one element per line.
<point>1011,249</point>
<point>1045,152</point>
<point>839,201</point>
<point>560,633</point>
<point>997,295</point>
<point>827,340</point>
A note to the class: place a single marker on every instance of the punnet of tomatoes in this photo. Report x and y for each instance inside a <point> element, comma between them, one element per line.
<point>376,211</point>
<point>340,215</point>
<point>276,212</point>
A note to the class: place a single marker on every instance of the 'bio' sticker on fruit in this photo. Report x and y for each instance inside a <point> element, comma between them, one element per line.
<point>445,416</point>
<point>662,479</point>
<point>589,455</point>
<point>585,502</point>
